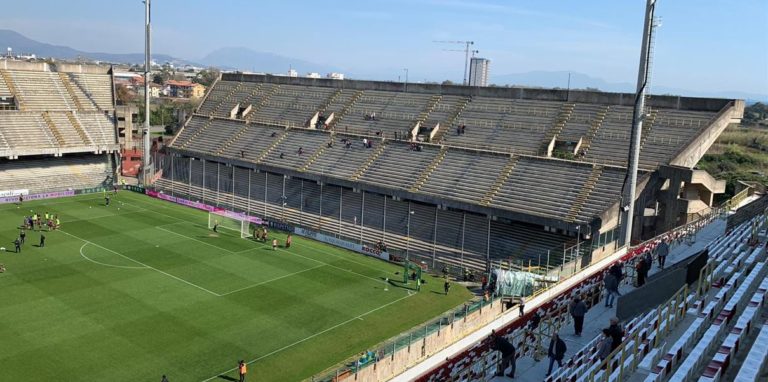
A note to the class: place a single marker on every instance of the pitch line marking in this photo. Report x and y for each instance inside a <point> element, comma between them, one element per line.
<point>105,264</point>
<point>271,280</point>
<point>310,337</point>
<point>197,240</point>
<point>148,266</point>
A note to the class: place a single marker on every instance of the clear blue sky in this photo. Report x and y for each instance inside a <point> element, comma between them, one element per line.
<point>703,45</point>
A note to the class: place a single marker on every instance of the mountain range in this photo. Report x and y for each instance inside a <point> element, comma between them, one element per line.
<point>240,58</point>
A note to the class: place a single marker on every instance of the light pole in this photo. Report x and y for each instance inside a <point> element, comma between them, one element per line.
<point>405,84</point>
<point>146,170</point>
<point>408,234</point>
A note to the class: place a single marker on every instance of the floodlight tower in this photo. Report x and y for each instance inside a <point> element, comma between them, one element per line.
<point>629,190</point>
<point>146,171</point>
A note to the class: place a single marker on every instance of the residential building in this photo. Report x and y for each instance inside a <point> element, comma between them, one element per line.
<point>478,71</point>
<point>184,89</point>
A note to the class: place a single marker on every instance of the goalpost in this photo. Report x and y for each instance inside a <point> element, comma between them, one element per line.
<point>230,223</point>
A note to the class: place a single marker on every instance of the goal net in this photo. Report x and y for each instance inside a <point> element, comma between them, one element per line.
<point>229,223</point>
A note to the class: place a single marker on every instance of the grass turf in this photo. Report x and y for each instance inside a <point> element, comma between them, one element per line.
<point>146,290</point>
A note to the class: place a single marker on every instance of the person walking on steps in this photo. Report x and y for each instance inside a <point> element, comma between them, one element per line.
<point>578,309</point>
<point>556,352</point>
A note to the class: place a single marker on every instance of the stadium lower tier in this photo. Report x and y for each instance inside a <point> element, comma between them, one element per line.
<point>45,174</point>
<point>436,236</point>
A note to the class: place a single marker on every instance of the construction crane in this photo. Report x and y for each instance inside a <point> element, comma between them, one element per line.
<point>466,51</point>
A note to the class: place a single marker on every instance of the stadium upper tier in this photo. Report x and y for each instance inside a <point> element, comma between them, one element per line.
<point>46,112</point>
<point>500,159</point>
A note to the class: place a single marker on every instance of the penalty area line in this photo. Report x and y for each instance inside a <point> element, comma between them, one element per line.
<point>359,317</point>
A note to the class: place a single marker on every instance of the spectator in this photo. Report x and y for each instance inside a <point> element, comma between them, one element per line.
<point>521,306</point>
<point>301,150</point>
<point>507,350</point>
<point>616,271</point>
<point>605,345</point>
<point>641,268</point>
<point>282,155</point>
<point>616,332</point>
<point>365,142</point>
<point>662,251</point>
<point>611,289</point>
<point>556,352</point>
<point>533,324</point>
<point>578,309</point>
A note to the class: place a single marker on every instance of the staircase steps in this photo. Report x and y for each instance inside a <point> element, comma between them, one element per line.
<point>12,87</point>
<point>317,154</point>
<point>233,139</point>
<point>650,118</point>
<point>330,100</point>
<point>450,121</point>
<point>255,109</point>
<point>557,127</point>
<point>583,196</point>
<point>198,132</point>
<point>369,162</point>
<point>428,171</point>
<point>225,99</point>
<point>68,85</point>
<point>594,128</point>
<point>79,128</point>
<point>428,109</point>
<point>272,146</point>
<point>55,131</point>
<point>503,176</point>
<point>347,107</point>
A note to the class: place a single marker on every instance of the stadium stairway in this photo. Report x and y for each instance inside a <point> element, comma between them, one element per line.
<point>444,127</point>
<point>79,128</point>
<point>503,176</point>
<point>429,169</point>
<point>566,110</point>
<point>594,128</point>
<point>586,190</point>
<point>337,118</point>
<point>68,86</point>
<point>12,87</point>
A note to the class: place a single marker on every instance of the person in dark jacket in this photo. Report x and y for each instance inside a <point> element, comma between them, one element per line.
<point>642,270</point>
<point>611,289</point>
<point>578,309</point>
<point>662,251</point>
<point>556,352</point>
<point>605,345</point>
<point>616,271</point>
<point>507,350</point>
<point>616,332</point>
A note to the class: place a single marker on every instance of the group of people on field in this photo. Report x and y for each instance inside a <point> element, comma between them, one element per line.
<point>39,221</point>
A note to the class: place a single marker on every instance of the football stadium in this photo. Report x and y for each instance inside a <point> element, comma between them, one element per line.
<point>314,229</point>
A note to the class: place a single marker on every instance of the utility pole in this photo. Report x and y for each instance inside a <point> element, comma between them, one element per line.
<point>466,51</point>
<point>630,181</point>
<point>147,166</point>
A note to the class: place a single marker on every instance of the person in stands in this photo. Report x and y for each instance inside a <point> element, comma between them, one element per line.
<point>507,350</point>
<point>616,332</point>
<point>611,289</point>
<point>605,345</point>
<point>556,352</point>
<point>662,251</point>
<point>578,309</point>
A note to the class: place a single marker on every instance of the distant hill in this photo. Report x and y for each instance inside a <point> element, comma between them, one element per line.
<point>21,44</point>
<point>245,59</point>
<point>552,79</point>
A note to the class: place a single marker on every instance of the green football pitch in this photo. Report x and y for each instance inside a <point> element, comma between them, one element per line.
<point>143,288</point>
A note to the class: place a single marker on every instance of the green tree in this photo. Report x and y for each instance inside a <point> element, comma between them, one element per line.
<point>207,77</point>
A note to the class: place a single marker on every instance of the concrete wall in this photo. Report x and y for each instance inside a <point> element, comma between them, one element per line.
<point>689,155</point>
<point>57,67</point>
<point>596,97</point>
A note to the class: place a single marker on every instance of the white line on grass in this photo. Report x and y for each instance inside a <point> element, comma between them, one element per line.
<point>73,200</point>
<point>311,337</point>
<point>271,280</point>
<point>139,262</point>
<point>192,238</point>
<point>105,264</point>
<point>333,266</point>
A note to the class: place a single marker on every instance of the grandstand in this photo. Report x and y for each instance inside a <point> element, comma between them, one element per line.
<point>57,129</point>
<point>465,189</point>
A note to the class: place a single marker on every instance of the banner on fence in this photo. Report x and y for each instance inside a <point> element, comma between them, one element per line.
<point>204,207</point>
<point>6,193</point>
<point>44,195</point>
<point>364,249</point>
